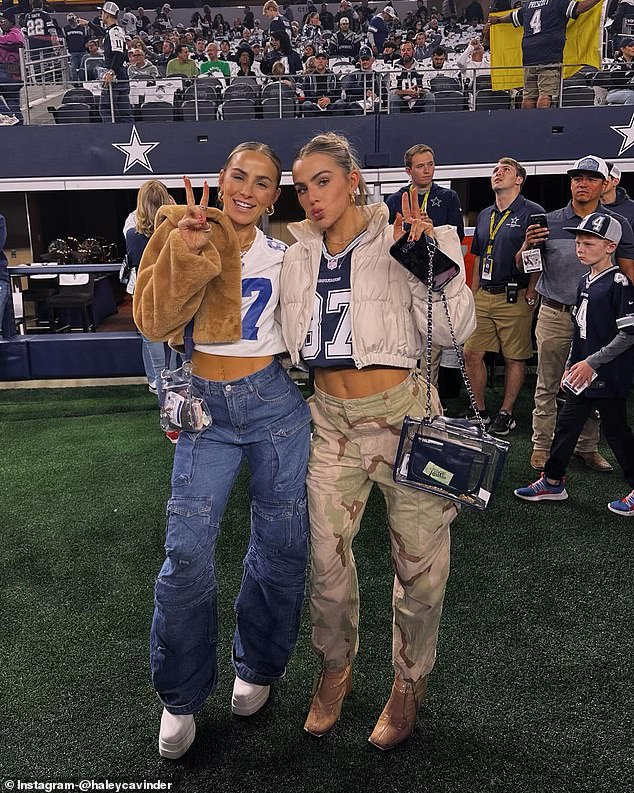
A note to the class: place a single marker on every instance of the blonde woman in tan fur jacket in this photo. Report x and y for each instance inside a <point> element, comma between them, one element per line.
<point>358,319</point>
<point>218,268</point>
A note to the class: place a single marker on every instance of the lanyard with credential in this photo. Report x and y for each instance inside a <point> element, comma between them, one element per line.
<point>487,261</point>
<point>423,206</point>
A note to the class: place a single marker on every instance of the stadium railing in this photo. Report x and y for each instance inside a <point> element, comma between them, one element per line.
<point>212,97</point>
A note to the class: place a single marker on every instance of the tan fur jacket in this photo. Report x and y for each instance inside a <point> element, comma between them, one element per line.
<point>173,285</point>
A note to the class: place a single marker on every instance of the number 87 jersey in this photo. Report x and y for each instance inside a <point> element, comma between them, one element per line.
<point>261,329</point>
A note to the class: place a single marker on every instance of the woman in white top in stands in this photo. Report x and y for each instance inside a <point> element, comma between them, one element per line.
<point>259,416</point>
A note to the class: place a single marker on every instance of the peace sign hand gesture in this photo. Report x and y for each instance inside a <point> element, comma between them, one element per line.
<point>418,222</point>
<point>194,227</point>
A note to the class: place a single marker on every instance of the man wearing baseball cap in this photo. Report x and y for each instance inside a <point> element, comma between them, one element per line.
<point>378,29</point>
<point>598,372</point>
<point>364,89</point>
<point>557,285</point>
<point>620,74</point>
<point>616,198</point>
<point>114,104</point>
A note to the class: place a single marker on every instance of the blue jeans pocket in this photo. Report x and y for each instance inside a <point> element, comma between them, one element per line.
<point>279,542</point>
<point>290,443</point>
<point>187,576</point>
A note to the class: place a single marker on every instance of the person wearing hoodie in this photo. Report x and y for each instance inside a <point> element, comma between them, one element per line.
<point>620,75</point>
<point>615,197</point>
<point>282,51</point>
<point>11,42</point>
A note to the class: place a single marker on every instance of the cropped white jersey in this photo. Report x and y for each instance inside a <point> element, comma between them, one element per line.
<point>261,328</point>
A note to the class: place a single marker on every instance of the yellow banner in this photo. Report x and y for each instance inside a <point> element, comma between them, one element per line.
<point>583,46</point>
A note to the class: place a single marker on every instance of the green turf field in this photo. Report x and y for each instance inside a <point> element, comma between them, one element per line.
<point>533,688</point>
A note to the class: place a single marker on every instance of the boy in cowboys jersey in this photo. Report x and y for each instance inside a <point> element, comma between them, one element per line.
<point>598,372</point>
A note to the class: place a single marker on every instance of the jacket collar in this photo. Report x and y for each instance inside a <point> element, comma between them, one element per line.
<point>308,233</point>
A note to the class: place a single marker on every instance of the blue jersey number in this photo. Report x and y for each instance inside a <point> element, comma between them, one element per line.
<point>263,289</point>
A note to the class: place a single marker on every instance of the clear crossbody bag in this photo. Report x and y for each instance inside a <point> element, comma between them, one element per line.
<point>448,457</point>
<point>182,406</point>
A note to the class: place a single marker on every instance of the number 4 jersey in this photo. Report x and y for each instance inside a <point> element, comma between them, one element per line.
<point>605,307</point>
<point>261,329</point>
<point>544,23</point>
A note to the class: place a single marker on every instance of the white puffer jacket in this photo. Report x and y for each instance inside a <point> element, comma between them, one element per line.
<point>388,305</point>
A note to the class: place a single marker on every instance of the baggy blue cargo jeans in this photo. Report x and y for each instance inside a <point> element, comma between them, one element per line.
<point>261,418</point>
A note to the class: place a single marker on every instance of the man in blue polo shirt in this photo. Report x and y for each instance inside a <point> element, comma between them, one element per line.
<point>557,286</point>
<point>504,296</point>
<point>544,23</point>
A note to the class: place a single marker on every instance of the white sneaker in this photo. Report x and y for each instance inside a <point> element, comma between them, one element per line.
<point>177,734</point>
<point>248,698</point>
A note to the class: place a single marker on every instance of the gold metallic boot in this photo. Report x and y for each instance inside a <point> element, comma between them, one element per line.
<point>397,721</point>
<point>332,687</point>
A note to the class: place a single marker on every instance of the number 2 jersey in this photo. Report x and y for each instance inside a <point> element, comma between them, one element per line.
<point>605,306</point>
<point>261,329</point>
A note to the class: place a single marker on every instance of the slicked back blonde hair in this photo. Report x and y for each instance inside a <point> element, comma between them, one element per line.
<point>339,149</point>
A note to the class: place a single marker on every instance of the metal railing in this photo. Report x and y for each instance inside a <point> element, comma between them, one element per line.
<point>212,97</point>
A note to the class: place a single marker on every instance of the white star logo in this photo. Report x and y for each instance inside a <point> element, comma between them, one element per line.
<point>513,223</point>
<point>435,202</point>
<point>628,135</point>
<point>135,151</point>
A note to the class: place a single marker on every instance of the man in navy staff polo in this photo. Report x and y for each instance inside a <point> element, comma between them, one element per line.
<point>615,198</point>
<point>504,295</point>
<point>557,286</point>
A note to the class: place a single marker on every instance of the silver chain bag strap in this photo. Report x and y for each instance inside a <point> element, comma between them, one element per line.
<point>448,457</point>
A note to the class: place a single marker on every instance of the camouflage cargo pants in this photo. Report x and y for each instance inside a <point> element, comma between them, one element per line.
<point>354,445</point>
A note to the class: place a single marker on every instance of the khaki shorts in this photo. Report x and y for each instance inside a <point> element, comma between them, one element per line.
<point>502,326</point>
<point>541,81</point>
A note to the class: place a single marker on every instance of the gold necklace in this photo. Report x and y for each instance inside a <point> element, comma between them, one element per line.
<point>246,247</point>
<point>330,244</point>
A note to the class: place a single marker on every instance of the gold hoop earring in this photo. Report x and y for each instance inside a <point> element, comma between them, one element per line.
<point>352,200</point>
<point>270,211</point>
<point>220,196</point>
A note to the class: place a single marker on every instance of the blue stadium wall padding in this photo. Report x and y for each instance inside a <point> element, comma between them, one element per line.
<point>71,355</point>
<point>14,359</point>
<point>33,152</point>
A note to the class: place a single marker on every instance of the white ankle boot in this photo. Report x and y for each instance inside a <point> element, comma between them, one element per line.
<point>177,734</point>
<point>248,698</point>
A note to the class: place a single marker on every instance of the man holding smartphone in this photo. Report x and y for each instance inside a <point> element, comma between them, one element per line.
<point>557,286</point>
<point>504,294</point>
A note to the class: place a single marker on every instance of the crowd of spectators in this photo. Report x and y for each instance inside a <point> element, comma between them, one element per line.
<point>303,50</point>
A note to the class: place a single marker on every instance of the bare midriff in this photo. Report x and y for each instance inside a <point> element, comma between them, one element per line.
<point>358,383</point>
<point>227,367</point>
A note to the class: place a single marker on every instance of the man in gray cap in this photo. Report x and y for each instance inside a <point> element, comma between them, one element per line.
<point>114,104</point>
<point>557,286</point>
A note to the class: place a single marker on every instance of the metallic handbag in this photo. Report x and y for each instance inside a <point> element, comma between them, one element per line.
<point>182,406</point>
<point>450,458</point>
